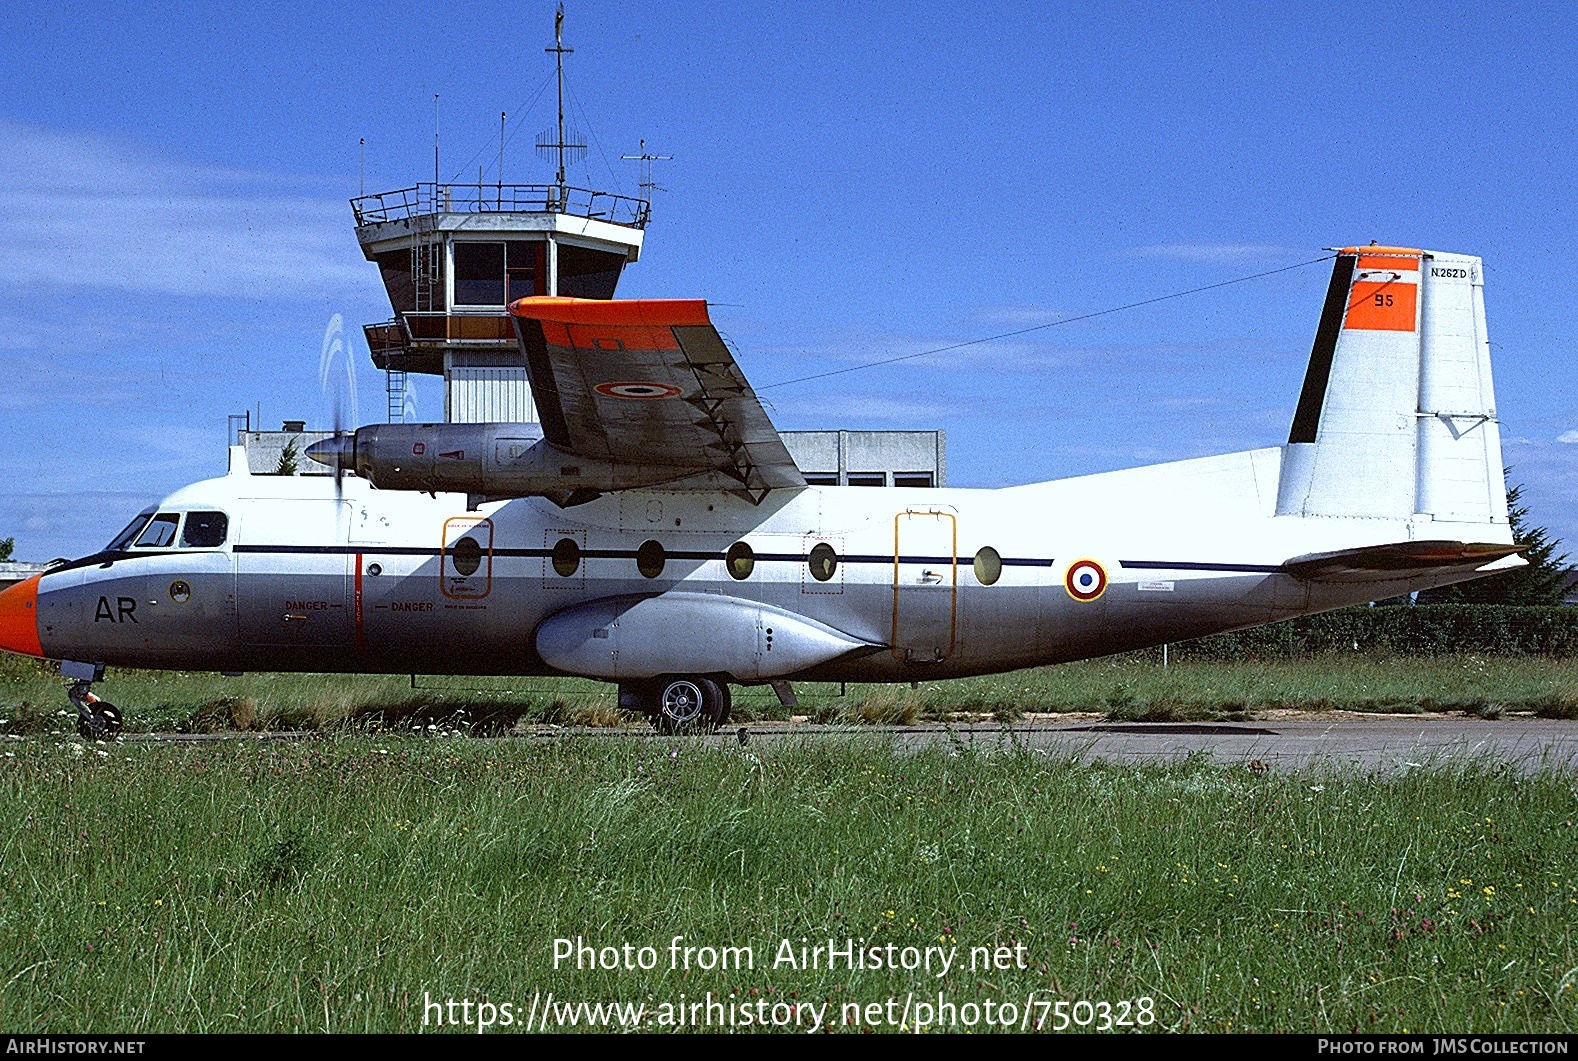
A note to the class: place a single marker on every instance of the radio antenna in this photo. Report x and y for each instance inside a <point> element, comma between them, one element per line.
<point>646,159</point>
<point>568,140</point>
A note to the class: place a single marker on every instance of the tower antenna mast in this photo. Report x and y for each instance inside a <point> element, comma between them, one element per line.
<point>560,145</point>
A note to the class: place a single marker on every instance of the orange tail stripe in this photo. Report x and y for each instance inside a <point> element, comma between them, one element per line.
<point>1385,307</point>
<point>1402,265</point>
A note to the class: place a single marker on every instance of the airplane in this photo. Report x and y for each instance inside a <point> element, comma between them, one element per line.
<point>653,532</point>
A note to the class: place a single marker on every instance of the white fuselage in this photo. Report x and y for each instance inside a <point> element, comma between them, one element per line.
<point>313,579</point>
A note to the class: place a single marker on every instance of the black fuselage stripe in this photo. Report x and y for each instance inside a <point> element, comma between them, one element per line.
<point>373,549</point>
<point>1185,565</point>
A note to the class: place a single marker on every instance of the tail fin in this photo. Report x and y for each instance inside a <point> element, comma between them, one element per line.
<point>1397,419</point>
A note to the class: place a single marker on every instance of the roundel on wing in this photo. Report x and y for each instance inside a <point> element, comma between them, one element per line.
<point>1086,580</point>
<point>638,390</point>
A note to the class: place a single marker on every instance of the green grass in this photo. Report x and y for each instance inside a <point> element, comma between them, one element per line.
<point>333,884</point>
<point>1134,687</point>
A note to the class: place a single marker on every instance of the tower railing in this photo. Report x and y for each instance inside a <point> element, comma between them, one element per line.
<point>427,198</point>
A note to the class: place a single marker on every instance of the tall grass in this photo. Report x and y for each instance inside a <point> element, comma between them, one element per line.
<point>1133,686</point>
<point>336,883</point>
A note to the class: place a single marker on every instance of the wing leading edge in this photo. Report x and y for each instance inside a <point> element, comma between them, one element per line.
<point>650,383</point>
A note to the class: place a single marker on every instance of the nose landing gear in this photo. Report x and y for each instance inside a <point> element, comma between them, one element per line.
<point>96,719</point>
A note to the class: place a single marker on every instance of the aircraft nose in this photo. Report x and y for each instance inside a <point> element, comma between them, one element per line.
<point>19,619</point>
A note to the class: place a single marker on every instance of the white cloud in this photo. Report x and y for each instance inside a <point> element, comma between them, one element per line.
<point>851,411</point>
<point>87,213</point>
<point>1570,437</point>
<point>1220,253</point>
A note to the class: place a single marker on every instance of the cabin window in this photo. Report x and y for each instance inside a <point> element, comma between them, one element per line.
<point>740,560</point>
<point>988,566</point>
<point>650,558</point>
<point>823,561</point>
<point>466,556</point>
<point>127,536</point>
<point>204,530</point>
<point>160,531</point>
<point>566,557</point>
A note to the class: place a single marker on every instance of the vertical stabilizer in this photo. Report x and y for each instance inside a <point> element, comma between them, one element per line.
<point>1397,418</point>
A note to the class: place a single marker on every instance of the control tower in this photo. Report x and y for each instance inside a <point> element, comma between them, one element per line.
<point>453,256</point>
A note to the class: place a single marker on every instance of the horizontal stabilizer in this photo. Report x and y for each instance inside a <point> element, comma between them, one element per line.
<point>1389,563</point>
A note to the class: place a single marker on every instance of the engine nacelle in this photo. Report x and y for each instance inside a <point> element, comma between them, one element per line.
<point>624,638</point>
<point>498,460</point>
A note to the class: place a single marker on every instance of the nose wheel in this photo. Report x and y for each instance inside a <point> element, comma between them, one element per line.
<point>96,719</point>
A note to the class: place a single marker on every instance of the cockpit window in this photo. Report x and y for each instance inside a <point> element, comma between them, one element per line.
<point>204,530</point>
<point>127,536</point>
<point>160,531</point>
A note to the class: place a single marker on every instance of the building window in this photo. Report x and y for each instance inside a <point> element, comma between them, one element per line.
<point>494,273</point>
<point>821,478</point>
<point>479,274</point>
<point>912,479</point>
<point>868,478</point>
<point>587,273</point>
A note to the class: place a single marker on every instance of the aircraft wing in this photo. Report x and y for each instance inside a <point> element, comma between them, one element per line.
<point>649,383</point>
<point>1384,563</point>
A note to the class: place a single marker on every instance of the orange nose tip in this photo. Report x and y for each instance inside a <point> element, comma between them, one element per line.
<point>19,618</point>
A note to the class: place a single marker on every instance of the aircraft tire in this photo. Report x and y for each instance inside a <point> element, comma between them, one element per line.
<point>683,704</point>
<point>103,724</point>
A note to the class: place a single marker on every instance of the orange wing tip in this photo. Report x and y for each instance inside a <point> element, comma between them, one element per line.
<point>660,312</point>
<point>19,618</point>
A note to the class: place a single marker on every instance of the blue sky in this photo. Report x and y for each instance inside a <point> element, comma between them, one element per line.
<point>850,182</point>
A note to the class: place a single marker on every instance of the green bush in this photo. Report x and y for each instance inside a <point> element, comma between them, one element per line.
<point>1423,630</point>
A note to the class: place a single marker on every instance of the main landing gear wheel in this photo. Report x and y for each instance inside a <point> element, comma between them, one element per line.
<point>689,705</point>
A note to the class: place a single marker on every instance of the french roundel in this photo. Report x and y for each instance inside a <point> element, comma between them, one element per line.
<point>638,390</point>
<point>1086,580</point>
